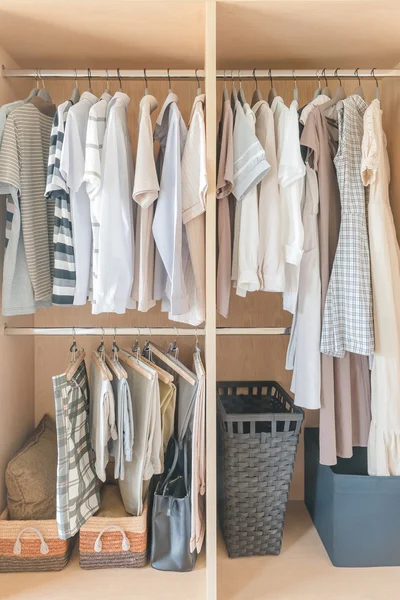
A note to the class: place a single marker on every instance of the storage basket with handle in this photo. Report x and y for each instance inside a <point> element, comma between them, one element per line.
<point>259,427</point>
<point>31,546</point>
<point>109,542</point>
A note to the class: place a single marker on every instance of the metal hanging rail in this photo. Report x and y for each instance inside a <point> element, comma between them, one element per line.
<point>198,73</point>
<point>145,331</point>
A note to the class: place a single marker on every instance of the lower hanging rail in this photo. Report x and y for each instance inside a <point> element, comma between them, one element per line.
<point>153,331</point>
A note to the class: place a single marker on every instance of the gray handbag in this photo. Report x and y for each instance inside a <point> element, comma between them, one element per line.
<point>171,522</point>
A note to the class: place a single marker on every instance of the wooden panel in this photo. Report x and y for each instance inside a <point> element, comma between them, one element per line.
<point>307,34</point>
<point>104,34</point>
<point>16,355</point>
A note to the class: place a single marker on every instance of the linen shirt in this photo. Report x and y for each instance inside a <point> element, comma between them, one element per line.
<point>167,224</point>
<point>95,133</point>
<point>116,239</point>
<point>72,167</point>
<point>145,193</point>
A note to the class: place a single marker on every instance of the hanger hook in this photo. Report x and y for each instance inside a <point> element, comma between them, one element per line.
<point>240,79</point>
<point>76,78</point>
<point>357,75</point>
<point>224,79</point>
<point>89,74</point>
<point>73,345</point>
<point>119,79</point>
<point>41,78</point>
<point>319,79</point>
<point>374,76</point>
<point>295,78</point>
<point>270,78</point>
<point>324,76</point>
<point>233,79</point>
<point>197,78</point>
<point>255,78</point>
<point>337,76</point>
<point>73,335</point>
<point>37,78</point>
<point>169,80</point>
<point>107,78</point>
<point>146,89</point>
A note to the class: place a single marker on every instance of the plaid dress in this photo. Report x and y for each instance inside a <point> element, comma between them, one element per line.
<point>348,317</point>
<point>78,494</point>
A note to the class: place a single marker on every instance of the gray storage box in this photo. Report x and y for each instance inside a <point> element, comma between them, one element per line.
<point>357,516</point>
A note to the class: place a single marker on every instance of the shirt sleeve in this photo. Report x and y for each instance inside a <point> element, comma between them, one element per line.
<point>249,162</point>
<point>9,156</point>
<point>72,162</point>
<point>194,175</point>
<point>146,186</point>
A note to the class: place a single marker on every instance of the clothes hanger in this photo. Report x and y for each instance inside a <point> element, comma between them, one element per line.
<point>107,90</point>
<point>225,93</point>
<point>135,364</point>
<point>113,362</point>
<point>338,96</point>
<point>318,91</point>
<point>75,95</point>
<point>146,89</point>
<point>100,356</point>
<point>43,93</point>
<point>77,356</point>
<point>326,91</point>
<point>165,358</point>
<point>169,82</point>
<point>162,374</point>
<point>257,96</point>
<point>377,90</point>
<point>296,89</point>
<point>34,91</point>
<point>89,74</point>
<point>234,92</point>
<point>358,91</point>
<point>173,347</point>
<point>242,97</point>
<point>272,92</point>
<point>198,92</point>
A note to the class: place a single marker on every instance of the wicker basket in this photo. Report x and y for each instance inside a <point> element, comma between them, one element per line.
<point>109,542</point>
<point>259,430</point>
<point>31,546</point>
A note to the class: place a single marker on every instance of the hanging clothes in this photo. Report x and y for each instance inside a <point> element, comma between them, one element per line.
<point>116,214</point>
<point>72,168</point>
<point>348,319</point>
<point>169,284</point>
<point>23,162</point>
<point>145,193</point>
<point>122,445</point>
<point>224,188</point>
<point>249,168</point>
<point>271,261</point>
<point>345,388</point>
<point>96,129</point>
<point>78,493</point>
<point>384,438</point>
<point>58,191</point>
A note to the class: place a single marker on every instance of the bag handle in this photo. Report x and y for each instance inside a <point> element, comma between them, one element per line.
<point>172,468</point>
<point>44,549</point>
<point>125,546</point>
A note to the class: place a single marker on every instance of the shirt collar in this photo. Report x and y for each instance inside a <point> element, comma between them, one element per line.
<point>259,104</point>
<point>149,102</point>
<point>106,97</point>
<point>123,97</point>
<point>169,100</point>
<point>89,97</point>
<point>199,100</point>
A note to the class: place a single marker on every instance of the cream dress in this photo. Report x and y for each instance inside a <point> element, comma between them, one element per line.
<point>384,439</point>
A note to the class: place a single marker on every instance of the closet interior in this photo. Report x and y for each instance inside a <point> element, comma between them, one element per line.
<point>231,38</point>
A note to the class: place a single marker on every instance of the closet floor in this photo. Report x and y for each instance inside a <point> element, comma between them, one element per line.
<point>303,570</point>
<point>76,583</point>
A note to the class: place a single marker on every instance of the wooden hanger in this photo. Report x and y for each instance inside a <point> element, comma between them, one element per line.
<point>134,364</point>
<point>163,375</point>
<point>272,92</point>
<point>165,358</point>
<point>100,366</point>
<point>257,96</point>
<point>113,362</point>
<point>74,365</point>
<point>359,91</point>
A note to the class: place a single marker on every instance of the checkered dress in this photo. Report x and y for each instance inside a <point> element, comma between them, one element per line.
<point>78,495</point>
<point>348,318</point>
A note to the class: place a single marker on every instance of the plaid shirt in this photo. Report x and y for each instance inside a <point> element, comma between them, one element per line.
<point>348,318</point>
<point>78,494</point>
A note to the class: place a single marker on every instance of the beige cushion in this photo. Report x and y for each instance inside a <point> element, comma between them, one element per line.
<point>31,476</point>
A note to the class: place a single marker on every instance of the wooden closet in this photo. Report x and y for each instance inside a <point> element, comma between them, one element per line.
<point>207,35</point>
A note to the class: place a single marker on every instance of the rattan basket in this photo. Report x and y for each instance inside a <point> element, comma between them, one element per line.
<point>109,542</point>
<point>259,427</point>
<point>31,546</point>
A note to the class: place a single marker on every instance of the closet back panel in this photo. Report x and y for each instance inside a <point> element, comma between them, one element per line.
<point>16,354</point>
<point>51,353</point>
<point>263,357</point>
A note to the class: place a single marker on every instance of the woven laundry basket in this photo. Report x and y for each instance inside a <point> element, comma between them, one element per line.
<point>31,546</point>
<point>109,542</point>
<point>259,428</point>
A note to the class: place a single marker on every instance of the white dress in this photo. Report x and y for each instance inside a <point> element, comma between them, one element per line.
<point>384,439</point>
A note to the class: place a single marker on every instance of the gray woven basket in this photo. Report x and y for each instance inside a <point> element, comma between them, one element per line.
<point>259,428</point>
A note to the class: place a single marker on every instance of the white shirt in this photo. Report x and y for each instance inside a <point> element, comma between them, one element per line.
<point>194,190</point>
<point>116,239</point>
<point>72,166</point>
<point>145,193</point>
<point>92,176</point>
<point>271,259</point>
<point>291,171</point>
<point>167,224</point>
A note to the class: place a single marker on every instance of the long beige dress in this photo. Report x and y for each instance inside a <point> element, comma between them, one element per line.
<point>384,439</point>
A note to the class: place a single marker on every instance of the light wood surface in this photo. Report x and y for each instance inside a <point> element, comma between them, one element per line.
<point>302,571</point>
<point>305,34</point>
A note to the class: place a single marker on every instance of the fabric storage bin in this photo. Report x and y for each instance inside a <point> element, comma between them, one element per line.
<point>259,427</point>
<point>357,516</point>
<point>109,542</point>
<point>32,545</point>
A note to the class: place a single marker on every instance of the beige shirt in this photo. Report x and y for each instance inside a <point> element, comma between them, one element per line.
<point>145,192</point>
<point>224,188</point>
